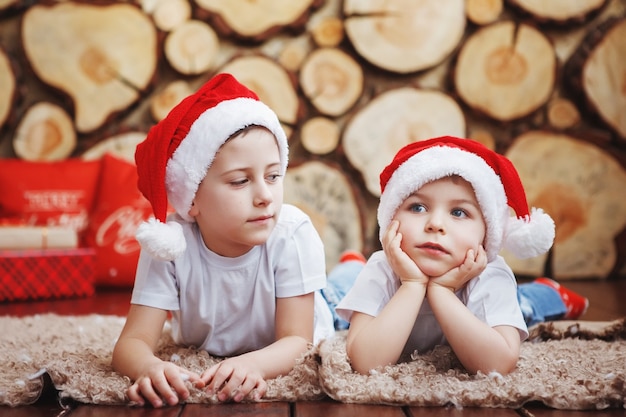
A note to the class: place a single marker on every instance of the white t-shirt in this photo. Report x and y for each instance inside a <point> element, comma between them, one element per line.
<point>491,296</point>
<point>227,306</point>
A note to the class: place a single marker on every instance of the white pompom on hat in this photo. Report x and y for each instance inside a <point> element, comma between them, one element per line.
<point>178,151</point>
<point>496,184</point>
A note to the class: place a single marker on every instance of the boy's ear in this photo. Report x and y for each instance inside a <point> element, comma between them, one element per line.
<point>193,211</point>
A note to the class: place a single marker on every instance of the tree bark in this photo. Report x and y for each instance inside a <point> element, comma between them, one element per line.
<point>8,92</point>
<point>331,80</point>
<point>404,36</point>
<point>45,133</point>
<point>506,71</point>
<point>394,119</point>
<point>325,193</point>
<point>103,73</point>
<point>581,187</point>
<point>596,70</point>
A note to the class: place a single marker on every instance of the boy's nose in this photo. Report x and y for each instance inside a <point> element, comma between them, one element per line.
<point>435,223</point>
<point>263,194</point>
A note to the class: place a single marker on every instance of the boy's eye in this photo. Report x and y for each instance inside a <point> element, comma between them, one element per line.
<point>239,182</point>
<point>273,177</point>
<point>458,213</point>
<point>417,208</point>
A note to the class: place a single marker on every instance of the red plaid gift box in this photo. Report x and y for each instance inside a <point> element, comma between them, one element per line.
<point>46,273</point>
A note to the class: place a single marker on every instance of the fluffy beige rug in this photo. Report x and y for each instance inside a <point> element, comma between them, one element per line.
<point>75,352</point>
<point>566,365</point>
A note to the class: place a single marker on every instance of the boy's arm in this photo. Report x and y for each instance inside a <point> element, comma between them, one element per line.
<point>478,346</point>
<point>137,342</point>
<point>236,377</point>
<point>133,356</point>
<point>378,341</point>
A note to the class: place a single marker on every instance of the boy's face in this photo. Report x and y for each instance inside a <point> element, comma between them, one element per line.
<point>238,202</point>
<point>439,223</point>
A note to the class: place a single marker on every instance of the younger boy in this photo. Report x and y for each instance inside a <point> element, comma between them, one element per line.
<point>444,216</point>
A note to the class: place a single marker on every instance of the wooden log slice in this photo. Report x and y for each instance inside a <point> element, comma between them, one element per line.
<point>271,82</point>
<point>9,5</point>
<point>328,32</point>
<point>320,135</point>
<point>331,80</point>
<point>506,71</point>
<point>562,113</point>
<point>45,133</point>
<point>559,11</point>
<point>325,193</point>
<point>191,48</point>
<point>404,36</point>
<point>121,145</point>
<point>483,12</point>
<point>164,101</point>
<point>8,88</point>
<point>257,20</point>
<point>103,72</point>
<point>583,188</point>
<point>169,14</point>
<point>394,119</point>
<point>598,70</point>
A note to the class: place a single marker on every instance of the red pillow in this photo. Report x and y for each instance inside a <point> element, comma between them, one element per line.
<point>48,193</point>
<point>119,209</point>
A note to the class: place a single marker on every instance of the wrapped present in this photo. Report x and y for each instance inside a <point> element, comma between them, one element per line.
<point>46,273</point>
<point>37,237</point>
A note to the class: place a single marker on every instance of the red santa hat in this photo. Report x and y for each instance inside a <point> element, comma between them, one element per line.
<point>496,184</point>
<point>178,151</point>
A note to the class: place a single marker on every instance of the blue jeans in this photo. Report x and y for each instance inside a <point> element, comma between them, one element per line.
<point>339,282</point>
<point>539,303</point>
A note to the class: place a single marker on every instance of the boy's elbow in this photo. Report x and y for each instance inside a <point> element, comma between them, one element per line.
<point>504,365</point>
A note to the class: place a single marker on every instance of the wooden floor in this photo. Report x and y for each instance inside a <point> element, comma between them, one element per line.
<point>607,302</point>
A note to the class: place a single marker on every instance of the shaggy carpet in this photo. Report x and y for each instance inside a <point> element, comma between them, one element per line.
<point>565,365</point>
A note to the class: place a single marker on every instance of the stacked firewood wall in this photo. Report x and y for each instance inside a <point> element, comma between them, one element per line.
<point>352,81</point>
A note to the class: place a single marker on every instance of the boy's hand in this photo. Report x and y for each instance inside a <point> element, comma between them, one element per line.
<point>234,379</point>
<point>400,262</point>
<point>163,381</point>
<point>457,277</point>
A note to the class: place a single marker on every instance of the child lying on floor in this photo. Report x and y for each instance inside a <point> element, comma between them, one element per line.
<point>444,217</point>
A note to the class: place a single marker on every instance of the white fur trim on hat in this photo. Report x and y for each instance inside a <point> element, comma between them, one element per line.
<point>189,164</point>
<point>164,241</point>
<point>442,161</point>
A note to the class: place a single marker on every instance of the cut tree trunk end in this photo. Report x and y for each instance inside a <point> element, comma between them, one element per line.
<point>394,119</point>
<point>271,82</point>
<point>45,133</point>
<point>559,11</point>
<point>192,47</point>
<point>121,145</point>
<point>331,80</point>
<point>325,193</point>
<point>506,71</point>
<point>404,36</point>
<point>103,73</point>
<point>258,20</point>
<point>320,135</point>
<point>583,188</point>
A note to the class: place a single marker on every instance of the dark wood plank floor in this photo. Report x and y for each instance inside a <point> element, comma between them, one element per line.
<point>607,302</point>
